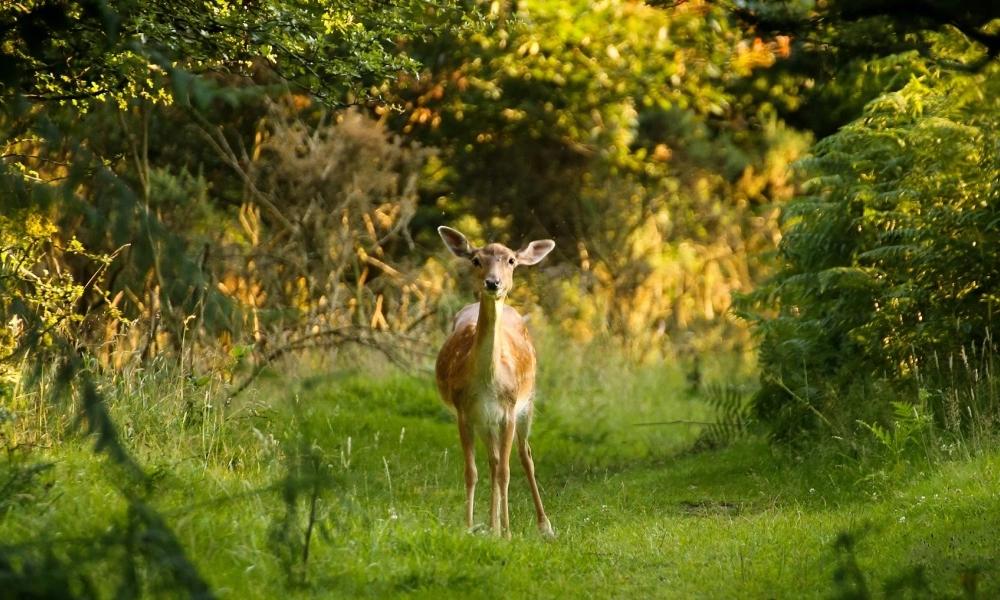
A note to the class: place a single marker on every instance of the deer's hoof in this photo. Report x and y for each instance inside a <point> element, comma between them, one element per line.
<point>545,528</point>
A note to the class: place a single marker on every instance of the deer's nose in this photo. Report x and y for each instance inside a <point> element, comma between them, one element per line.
<point>491,284</point>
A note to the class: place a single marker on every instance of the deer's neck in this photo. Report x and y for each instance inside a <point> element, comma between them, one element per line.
<point>489,334</point>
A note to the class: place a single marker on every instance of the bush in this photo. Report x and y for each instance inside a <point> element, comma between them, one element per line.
<point>884,265</point>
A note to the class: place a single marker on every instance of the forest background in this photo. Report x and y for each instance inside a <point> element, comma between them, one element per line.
<point>803,193</point>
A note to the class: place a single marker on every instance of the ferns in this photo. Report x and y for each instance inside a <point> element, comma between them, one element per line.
<point>888,260</point>
<point>733,415</point>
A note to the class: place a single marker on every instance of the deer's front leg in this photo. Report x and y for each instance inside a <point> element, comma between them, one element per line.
<point>471,476</point>
<point>524,450</point>
<point>503,470</point>
<point>493,447</point>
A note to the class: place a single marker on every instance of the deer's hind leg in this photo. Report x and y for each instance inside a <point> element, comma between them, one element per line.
<point>524,452</point>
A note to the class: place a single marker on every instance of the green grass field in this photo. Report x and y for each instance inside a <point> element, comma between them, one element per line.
<point>637,512</point>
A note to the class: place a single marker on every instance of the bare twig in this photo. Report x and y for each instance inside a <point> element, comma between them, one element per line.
<point>214,136</point>
<point>677,422</point>
<point>335,337</point>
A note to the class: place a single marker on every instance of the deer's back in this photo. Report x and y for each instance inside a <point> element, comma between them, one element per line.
<point>511,383</point>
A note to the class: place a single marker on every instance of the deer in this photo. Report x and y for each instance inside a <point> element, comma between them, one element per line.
<point>485,374</point>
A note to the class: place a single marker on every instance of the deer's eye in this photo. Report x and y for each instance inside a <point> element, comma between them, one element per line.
<point>475,261</point>
<point>511,261</point>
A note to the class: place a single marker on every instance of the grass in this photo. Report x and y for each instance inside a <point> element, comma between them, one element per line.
<point>637,512</point>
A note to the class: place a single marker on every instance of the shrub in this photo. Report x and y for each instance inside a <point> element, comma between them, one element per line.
<point>885,264</point>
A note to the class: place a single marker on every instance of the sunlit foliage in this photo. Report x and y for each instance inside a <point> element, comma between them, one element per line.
<point>125,125</point>
<point>84,50</point>
<point>615,129</point>
<point>115,127</point>
<point>887,268</point>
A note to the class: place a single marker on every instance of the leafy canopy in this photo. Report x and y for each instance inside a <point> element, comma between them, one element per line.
<point>81,50</point>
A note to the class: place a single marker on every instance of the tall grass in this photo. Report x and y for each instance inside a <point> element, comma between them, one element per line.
<point>962,392</point>
<point>348,482</point>
<point>272,473</point>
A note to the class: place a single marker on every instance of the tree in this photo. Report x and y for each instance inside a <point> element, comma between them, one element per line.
<point>340,51</point>
<point>87,84</point>
<point>82,84</point>
<point>844,53</point>
<point>613,129</point>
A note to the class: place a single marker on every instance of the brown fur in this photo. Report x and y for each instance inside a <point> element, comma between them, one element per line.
<point>486,373</point>
<point>455,369</point>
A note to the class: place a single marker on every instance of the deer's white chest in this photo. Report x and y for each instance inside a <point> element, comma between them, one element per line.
<point>492,400</point>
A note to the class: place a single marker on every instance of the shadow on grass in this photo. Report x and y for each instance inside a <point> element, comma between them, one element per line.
<point>946,561</point>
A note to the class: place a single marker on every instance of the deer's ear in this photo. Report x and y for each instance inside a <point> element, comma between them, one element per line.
<point>533,253</point>
<point>456,242</point>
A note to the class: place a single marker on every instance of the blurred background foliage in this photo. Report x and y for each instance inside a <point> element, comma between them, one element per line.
<point>221,184</point>
<point>617,130</point>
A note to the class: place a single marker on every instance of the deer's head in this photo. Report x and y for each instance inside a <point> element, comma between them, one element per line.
<point>495,263</point>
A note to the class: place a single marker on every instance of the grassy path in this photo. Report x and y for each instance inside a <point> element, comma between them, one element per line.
<point>636,515</point>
